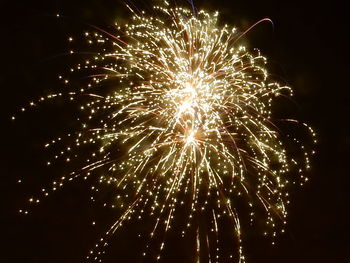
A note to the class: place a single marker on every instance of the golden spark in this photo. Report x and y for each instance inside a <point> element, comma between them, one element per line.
<point>187,127</point>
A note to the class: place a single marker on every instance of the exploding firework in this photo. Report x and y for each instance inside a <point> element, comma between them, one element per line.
<point>179,121</point>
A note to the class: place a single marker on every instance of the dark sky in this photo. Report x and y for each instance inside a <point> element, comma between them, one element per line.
<point>308,47</point>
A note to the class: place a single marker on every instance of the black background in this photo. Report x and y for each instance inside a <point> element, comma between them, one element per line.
<point>308,47</point>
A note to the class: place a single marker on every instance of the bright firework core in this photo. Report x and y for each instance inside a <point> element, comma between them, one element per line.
<point>191,113</point>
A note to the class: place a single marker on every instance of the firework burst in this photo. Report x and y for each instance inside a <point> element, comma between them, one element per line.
<point>186,128</point>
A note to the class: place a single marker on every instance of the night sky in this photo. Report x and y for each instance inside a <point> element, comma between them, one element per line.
<point>308,48</point>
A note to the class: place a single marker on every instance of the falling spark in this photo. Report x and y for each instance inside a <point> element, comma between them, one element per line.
<point>188,126</point>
